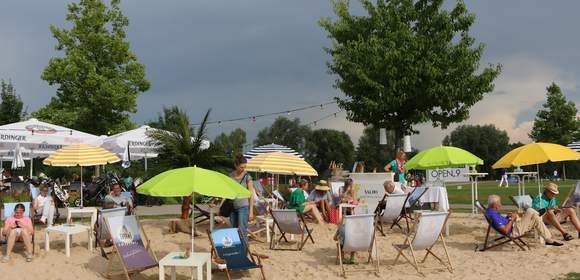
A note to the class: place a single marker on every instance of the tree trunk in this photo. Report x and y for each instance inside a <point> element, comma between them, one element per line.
<point>185,207</point>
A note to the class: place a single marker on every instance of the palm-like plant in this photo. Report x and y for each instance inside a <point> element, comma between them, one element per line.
<point>182,146</point>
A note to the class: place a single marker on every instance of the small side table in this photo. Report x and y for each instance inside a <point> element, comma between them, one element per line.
<point>68,230</point>
<point>175,259</point>
<point>269,225</point>
<point>82,211</point>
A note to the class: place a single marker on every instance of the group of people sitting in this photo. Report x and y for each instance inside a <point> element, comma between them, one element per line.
<point>543,211</point>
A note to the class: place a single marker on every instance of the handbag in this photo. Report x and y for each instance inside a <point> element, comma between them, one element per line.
<point>228,206</point>
<point>334,216</point>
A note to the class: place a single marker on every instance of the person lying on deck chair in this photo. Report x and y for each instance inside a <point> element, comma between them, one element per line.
<point>321,196</point>
<point>391,188</point>
<point>18,227</point>
<point>513,224</point>
<point>548,201</point>
<point>298,202</point>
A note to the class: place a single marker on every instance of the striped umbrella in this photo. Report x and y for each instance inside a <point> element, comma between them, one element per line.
<point>270,148</point>
<point>574,146</point>
<point>81,155</point>
<point>280,163</point>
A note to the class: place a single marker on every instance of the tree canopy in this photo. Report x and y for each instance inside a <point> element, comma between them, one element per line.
<point>369,150</point>
<point>326,145</point>
<point>406,62</point>
<point>231,144</point>
<point>11,108</point>
<point>98,79</point>
<point>558,121</point>
<point>290,133</point>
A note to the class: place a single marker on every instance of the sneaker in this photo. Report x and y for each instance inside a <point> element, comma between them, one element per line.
<point>28,257</point>
<point>5,259</point>
<point>554,243</point>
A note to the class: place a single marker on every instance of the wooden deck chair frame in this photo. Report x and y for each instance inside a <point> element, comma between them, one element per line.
<point>379,213</point>
<point>303,239</point>
<point>99,242</point>
<point>257,260</point>
<point>110,273</point>
<point>340,254</point>
<point>502,239</point>
<point>413,262</point>
<point>406,214</point>
<point>30,214</point>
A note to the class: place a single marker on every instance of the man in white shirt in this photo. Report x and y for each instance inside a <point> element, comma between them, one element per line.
<point>393,188</point>
<point>44,205</point>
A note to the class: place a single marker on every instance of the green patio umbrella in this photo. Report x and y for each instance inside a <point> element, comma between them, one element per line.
<point>442,157</point>
<point>190,180</point>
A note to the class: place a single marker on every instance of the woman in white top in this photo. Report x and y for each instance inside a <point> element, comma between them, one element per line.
<point>44,205</point>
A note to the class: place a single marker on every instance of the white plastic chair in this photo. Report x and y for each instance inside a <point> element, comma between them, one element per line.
<point>359,236</point>
<point>428,230</point>
<point>394,205</point>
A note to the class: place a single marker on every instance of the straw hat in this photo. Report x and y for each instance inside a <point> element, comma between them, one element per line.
<point>323,183</point>
<point>322,188</point>
<point>551,187</point>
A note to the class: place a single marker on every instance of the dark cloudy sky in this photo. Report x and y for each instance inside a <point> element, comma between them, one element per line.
<point>256,56</point>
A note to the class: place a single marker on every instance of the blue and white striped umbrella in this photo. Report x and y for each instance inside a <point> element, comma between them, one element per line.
<point>270,148</point>
<point>574,146</point>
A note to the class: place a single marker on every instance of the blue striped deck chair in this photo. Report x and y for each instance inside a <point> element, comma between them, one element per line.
<point>9,211</point>
<point>229,249</point>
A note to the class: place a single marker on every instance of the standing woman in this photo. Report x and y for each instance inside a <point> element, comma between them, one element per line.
<point>243,207</point>
<point>398,166</point>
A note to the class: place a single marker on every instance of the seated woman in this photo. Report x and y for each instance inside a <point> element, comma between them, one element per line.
<point>298,202</point>
<point>321,196</point>
<point>18,227</point>
<point>43,205</point>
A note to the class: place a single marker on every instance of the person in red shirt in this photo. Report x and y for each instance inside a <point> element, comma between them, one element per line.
<point>18,227</point>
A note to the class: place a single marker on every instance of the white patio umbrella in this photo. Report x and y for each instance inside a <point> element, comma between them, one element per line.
<point>18,160</point>
<point>40,139</point>
<point>270,148</point>
<point>138,143</point>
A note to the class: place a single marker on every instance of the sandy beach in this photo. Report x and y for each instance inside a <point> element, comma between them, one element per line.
<point>316,261</point>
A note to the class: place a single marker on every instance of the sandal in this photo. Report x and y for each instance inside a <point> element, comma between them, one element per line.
<point>567,237</point>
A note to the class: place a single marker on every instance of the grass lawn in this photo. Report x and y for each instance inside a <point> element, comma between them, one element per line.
<point>460,193</point>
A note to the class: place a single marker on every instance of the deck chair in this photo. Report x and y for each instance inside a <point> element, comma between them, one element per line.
<point>290,221</point>
<point>411,203</point>
<point>227,247</point>
<point>9,211</point>
<point>502,239</point>
<point>573,199</point>
<point>101,231</point>
<point>428,230</point>
<point>359,236</point>
<point>522,201</point>
<point>393,207</point>
<point>131,246</point>
<point>282,203</point>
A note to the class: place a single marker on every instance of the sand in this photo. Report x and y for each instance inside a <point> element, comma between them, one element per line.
<point>316,261</point>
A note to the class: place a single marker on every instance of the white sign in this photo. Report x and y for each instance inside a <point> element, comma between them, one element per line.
<point>448,174</point>
<point>369,188</point>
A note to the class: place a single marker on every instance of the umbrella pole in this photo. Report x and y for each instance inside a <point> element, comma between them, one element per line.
<point>31,162</point>
<point>539,184</point>
<point>81,187</point>
<point>193,222</point>
<point>145,163</point>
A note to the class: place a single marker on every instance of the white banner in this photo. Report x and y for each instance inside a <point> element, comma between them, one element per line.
<point>369,187</point>
<point>448,174</point>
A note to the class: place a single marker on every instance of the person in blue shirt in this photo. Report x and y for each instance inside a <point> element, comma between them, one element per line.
<point>554,213</point>
<point>514,225</point>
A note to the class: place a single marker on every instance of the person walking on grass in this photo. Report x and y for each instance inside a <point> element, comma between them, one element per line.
<point>504,178</point>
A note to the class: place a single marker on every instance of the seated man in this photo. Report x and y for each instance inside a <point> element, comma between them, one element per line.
<point>298,202</point>
<point>44,205</point>
<point>513,224</point>
<point>548,202</point>
<point>18,227</point>
<point>115,199</point>
<point>321,196</point>
<point>390,188</point>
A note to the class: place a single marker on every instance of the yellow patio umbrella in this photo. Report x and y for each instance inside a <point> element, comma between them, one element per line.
<point>536,153</point>
<point>81,155</point>
<point>280,163</point>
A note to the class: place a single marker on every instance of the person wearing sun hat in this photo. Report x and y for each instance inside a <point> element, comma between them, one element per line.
<point>548,202</point>
<point>321,196</point>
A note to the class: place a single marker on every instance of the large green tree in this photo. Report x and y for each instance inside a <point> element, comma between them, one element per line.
<point>290,133</point>
<point>558,121</point>
<point>326,145</point>
<point>231,144</point>
<point>406,62</point>
<point>11,108</point>
<point>485,141</point>
<point>98,79</point>
<point>370,151</point>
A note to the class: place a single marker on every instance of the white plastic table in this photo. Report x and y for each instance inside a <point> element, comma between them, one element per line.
<point>82,211</point>
<point>473,177</point>
<point>269,225</point>
<point>68,230</point>
<point>175,259</point>
<point>521,179</point>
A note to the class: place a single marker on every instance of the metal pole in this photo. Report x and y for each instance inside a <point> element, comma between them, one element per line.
<point>81,187</point>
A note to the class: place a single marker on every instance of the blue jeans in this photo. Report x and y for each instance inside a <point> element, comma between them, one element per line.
<point>239,219</point>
